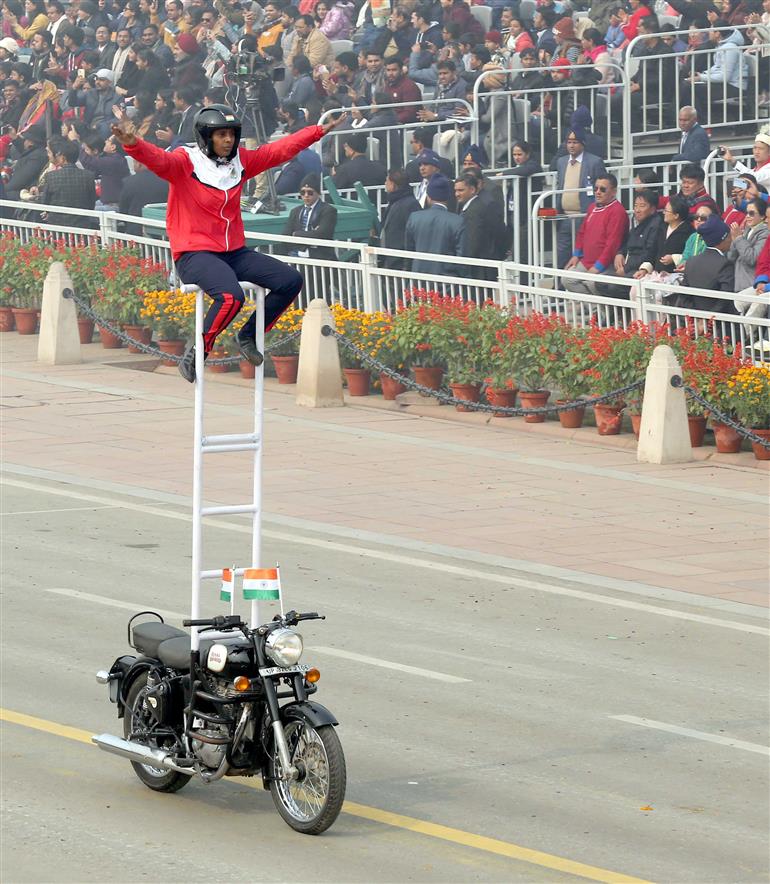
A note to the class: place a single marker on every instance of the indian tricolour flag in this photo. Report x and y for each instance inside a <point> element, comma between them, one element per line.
<point>228,584</point>
<point>261,584</point>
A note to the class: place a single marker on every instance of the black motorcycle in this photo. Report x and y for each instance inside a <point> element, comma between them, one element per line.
<point>217,712</point>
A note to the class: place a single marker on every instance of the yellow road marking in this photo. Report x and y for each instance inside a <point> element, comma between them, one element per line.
<point>396,820</point>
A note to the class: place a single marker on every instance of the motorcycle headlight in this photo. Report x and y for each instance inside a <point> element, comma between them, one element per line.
<point>284,647</point>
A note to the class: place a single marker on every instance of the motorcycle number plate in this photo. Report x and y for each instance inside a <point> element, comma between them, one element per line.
<point>299,669</point>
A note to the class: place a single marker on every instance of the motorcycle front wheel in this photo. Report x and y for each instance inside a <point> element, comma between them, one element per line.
<point>137,727</point>
<point>313,802</point>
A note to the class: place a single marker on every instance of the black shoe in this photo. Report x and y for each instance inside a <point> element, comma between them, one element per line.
<point>248,348</point>
<point>187,365</point>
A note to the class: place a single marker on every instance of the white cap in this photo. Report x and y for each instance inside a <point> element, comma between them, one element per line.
<point>105,74</point>
<point>10,45</point>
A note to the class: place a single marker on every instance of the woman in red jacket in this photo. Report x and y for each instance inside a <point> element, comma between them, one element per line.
<point>203,219</point>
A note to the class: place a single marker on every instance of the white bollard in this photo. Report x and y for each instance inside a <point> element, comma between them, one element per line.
<point>59,341</point>
<point>664,436</point>
<point>319,377</point>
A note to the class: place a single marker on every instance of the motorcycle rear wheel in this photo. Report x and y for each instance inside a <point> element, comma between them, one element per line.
<point>311,804</point>
<point>136,716</point>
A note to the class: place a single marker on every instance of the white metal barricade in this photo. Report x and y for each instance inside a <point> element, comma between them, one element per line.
<point>222,444</point>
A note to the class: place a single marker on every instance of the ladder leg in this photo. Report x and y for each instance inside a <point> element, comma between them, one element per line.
<point>259,387</point>
<point>197,530</point>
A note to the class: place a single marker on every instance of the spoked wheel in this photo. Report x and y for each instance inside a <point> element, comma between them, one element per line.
<point>137,727</point>
<point>311,803</point>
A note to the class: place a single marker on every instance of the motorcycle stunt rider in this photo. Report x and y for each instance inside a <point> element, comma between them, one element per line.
<point>204,223</point>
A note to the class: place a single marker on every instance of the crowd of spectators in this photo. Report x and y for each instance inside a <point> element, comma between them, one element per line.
<point>67,70</point>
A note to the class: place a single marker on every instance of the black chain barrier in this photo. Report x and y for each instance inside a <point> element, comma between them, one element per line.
<point>448,399</point>
<point>723,418</point>
<point>150,349</point>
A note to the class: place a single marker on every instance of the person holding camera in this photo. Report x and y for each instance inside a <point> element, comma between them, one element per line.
<point>205,227</point>
<point>97,101</point>
<point>761,153</point>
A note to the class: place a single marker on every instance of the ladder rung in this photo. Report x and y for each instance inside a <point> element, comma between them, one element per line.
<point>242,446</point>
<point>232,437</point>
<point>229,510</point>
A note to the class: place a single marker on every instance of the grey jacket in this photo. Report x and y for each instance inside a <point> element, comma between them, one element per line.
<point>435,231</point>
<point>744,253</point>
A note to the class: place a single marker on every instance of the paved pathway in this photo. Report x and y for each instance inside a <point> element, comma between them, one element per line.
<point>531,501</point>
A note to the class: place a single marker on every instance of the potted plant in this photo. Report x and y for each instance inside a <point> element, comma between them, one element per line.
<point>414,327</point>
<point>749,396</point>
<point>365,331</point>
<point>569,358</point>
<point>284,353</point>
<point>171,314</point>
<point>24,268</point>
<point>393,354</point>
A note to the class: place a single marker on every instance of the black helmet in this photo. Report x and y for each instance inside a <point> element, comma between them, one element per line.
<point>207,120</point>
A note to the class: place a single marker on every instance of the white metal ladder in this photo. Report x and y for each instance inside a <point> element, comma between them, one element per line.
<point>203,444</point>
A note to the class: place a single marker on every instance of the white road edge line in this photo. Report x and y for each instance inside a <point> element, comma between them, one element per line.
<point>411,561</point>
<point>696,735</point>
<point>64,509</point>
<point>332,652</point>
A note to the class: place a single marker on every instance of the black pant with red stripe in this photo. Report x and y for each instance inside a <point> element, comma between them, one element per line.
<point>217,273</point>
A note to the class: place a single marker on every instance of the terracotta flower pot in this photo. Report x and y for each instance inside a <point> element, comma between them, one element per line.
<point>286,368</point>
<point>25,319</point>
<point>636,424</point>
<point>502,398</point>
<point>608,419</point>
<point>7,323</point>
<point>390,387</point>
<point>727,439</point>
<point>761,453</point>
<point>468,392</point>
<point>109,340</point>
<point>572,419</point>
<point>429,376</point>
<point>173,348</point>
<point>696,424</point>
<point>219,369</point>
<point>85,329</point>
<point>140,333</point>
<point>358,381</point>
<point>247,369</point>
<point>534,399</point>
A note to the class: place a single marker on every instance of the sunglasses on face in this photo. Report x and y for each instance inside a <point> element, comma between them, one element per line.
<point>601,189</point>
<point>752,214</point>
<point>702,217</point>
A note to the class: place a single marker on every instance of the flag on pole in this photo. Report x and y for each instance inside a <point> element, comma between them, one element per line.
<point>228,584</point>
<point>261,584</point>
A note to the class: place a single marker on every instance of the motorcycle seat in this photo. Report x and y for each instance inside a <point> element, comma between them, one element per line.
<point>175,652</point>
<point>147,637</point>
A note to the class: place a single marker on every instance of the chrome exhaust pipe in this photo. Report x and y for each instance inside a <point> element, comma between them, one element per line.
<point>138,753</point>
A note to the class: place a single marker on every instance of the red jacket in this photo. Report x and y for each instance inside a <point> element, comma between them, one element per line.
<point>762,270</point>
<point>601,235</point>
<point>401,91</point>
<point>204,218</point>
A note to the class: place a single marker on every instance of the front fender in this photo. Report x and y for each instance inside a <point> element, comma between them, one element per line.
<point>313,713</point>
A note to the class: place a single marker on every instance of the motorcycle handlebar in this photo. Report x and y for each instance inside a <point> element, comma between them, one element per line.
<point>219,622</point>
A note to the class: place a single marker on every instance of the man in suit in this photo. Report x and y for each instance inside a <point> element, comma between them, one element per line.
<point>105,47</point>
<point>436,231</point>
<point>576,173</point>
<point>694,146</point>
<point>482,229</point>
<point>401,204</point>
<point>710,270</point>
<point>314,219</point>
<point>422,140</point>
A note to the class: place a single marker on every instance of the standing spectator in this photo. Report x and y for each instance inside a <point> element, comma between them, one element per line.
<point>400,89</point>
<point>692,188</point>
<point>67,185</point>
<point>747,244</point>
<point>357,166</point>
<point>482,228</point>
<point>600,235</point>
<point>314,219</point>
<point>400,205</point>
<point>581,119</point>
<point>575,176</point>
<point>761,152</point>
<point>640,247</point>
<point>97,102</point>
<point>108,164</point>
<point>710,270</point>
<point>436,231</point>
<point>421,141</point>
<point>428,165</point>
<point>311,43</point>
<point>694,145</point>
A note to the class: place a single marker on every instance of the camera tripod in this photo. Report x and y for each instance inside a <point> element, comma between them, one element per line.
<point>269,203</point>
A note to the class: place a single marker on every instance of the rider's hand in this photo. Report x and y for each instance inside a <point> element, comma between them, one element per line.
<point>124,130</point>
<point>332,123</point>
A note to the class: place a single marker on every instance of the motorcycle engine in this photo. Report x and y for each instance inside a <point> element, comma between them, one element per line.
<point>209,754</point>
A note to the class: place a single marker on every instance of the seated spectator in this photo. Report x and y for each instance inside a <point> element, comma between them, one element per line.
<point>371,79</point>
<point>384,122</point>
<point>614,37</point>
<point>675,43</point>
<point>339,82</point>
<point>692,188</point>
<point>12,107</point>
<point>761,285</point>
<point>108,164</point>
<point>594,51</point>
<point>449,86</point>
<point>421,141</point>
<point>726,78</point>
<point>399,205</point>
<point>518,37</point>
<point>9,49</point>
<point>641,245</point>
<point>141,189</point>
<point>493,41</point>
<point>734,213</point>
<point>599,237</point>
<point>400,89</point>
<point>337,24</point>
<point>710,270</point>
<point>303,86</point>
<point>97,102</point>
<point>543,22</point>
<point>67,185</point>
<point>747,244</point>
<point>306,162</point>
<point>32,159</point>
<point>357,166</point>
<point>436,231</point>
<point>694,244</point>
<point>694,145</point>
<point>761,151</point>
<point>567,43</point>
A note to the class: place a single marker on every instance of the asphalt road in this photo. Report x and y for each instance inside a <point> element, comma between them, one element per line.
<point>494,730</point>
